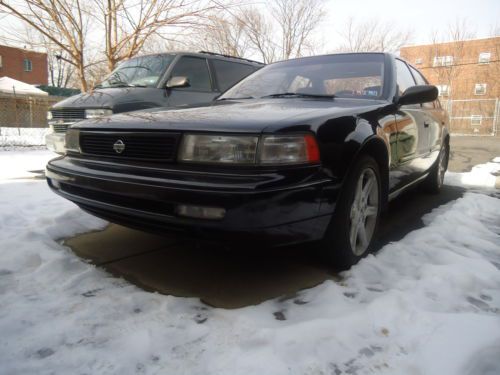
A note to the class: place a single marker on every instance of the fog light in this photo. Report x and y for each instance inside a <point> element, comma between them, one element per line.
<point>201,212</point>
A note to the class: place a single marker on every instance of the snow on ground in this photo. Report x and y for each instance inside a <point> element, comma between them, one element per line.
<point>18,164</point>
<point>482,176</point>
<point>427,304</point>
<point>22,136</point>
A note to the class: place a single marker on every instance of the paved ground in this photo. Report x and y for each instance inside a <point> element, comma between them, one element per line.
<point>232,278</point>
<point>469,151</point>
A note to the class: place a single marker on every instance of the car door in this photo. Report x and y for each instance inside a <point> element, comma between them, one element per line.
<point>434,120</point>
<point>200,89</point>
<point>412,136</point>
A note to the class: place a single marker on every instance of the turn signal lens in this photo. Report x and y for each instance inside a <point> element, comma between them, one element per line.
<point>72,140</point>
<point>293,149</point>
<point>312,149</point>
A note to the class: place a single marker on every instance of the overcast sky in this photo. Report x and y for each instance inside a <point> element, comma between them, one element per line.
<point>422,16</point>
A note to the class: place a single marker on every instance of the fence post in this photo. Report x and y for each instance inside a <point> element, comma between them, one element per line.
<point>495,117</point>
<point>30,100</point>
<point>450,113</point>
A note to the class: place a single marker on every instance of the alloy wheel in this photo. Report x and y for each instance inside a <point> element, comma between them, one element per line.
<point>364,211</point>
<point>442,166</point>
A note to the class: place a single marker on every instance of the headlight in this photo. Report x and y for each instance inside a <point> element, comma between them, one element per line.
<point>273,149</point>
<point>97,113</point>
<point>49,115</point>
<point>72,140</point>
<point>218,149</point>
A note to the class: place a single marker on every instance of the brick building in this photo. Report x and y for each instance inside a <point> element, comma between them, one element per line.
<point>467,74</point>
<point>23,65</point>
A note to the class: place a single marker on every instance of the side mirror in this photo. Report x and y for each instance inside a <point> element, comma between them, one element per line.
<point>418,94</point>
<point>178,82</point>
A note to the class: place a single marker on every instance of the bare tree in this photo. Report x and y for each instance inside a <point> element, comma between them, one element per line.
<point>285,31</point>
<point>128,24</point>
<point>125,25</point>
<point>60,71</point>
<point>223,34</point>
<point>372,36</point>
<point>63,23</point>
<point>296,20</point>
<point>259,32</point>
<point>446,53</point>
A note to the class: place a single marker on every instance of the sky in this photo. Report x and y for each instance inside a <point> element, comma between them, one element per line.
<point>422,16</point>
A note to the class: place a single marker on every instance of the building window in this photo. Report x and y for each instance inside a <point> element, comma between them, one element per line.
<point>444,90</point>
<point>484,58</point>
<point>443,61</point>
<point>418,61</point>
<point>475,120</point>
<point>1,62</point>
<point>480,89</point>
<point>28,66</point>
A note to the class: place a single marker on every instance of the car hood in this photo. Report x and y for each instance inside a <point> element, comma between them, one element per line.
<point>253,115</point>
<point>113,98</point>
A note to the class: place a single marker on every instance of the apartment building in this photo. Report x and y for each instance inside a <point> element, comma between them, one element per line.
<point>23,65</point>
<point>467,74</point>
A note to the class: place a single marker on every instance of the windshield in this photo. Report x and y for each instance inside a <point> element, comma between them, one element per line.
<point>142,71</point>
<point>343,75</point>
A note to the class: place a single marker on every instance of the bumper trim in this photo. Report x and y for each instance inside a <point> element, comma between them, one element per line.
<point>287,211</point>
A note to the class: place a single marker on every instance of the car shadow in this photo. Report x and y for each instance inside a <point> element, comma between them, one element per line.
<point>232,277</point>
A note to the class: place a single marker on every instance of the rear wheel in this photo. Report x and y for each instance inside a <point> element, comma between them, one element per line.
<point>354,223</point>
<point>434,181</point>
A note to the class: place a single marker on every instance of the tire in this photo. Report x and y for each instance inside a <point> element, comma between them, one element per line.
<point>434,181</point>
<point>344,244</point>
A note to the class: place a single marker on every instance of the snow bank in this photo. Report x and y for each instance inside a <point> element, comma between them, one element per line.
<point>428,304</point>
<point>481,176</point>
<point>22,136</point>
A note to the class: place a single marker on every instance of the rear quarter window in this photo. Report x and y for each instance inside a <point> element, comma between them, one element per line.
<point>228,73</point>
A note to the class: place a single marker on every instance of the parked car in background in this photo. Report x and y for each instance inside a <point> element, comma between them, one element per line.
<point>310,149</point>
<point>160,80</point>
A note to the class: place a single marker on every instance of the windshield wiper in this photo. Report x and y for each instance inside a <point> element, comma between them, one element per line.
<point>243,97</point>
<point>298,95</point>
<point>124,84</point>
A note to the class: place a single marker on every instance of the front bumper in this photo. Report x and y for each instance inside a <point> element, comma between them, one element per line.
<point>268,208</point>
<point>55,142</point>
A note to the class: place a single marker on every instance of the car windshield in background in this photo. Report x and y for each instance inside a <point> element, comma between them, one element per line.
<point>324,77</point>
<point>142,71</point>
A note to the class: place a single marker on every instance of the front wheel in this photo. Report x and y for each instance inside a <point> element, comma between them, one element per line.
<point>354,222</point>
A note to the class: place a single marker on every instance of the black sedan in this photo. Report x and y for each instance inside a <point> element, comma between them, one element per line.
<point>310,149</point>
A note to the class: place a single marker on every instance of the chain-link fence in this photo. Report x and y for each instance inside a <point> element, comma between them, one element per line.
<point>473,116</point>
<point>22,111</point>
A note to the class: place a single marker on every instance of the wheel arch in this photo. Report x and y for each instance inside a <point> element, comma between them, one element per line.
<point>376,148</point>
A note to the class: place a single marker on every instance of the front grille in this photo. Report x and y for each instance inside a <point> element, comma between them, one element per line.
<point>68,114</point>
<point>60,128</point>
<point>153,146</point>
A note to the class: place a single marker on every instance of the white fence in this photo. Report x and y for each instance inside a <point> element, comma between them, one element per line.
<point>473,116</point>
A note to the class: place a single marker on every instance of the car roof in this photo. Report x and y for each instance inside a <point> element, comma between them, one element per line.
<point>206,54</point>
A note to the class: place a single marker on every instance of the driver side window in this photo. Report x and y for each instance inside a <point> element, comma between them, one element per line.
<point>404,78</point>
<point>196,70</point>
